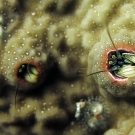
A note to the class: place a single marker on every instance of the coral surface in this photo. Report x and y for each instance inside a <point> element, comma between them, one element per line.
<point>56,53</point>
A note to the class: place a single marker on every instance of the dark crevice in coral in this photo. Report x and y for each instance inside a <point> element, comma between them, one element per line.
<point>66,9</point>
<point>56,124</point>
<point>23,123</point>
<point>130,101</point>
<point>55,75</point>
<point>20,8</point>
<point>51,8</point>
<point>63,48</point>
<point>62,103</point>
<point>70,7</point>
<point>26,132</point>
<point>4,108</point>
<point>5,90</point>
<point>3,132</point>
<point>99,132</point>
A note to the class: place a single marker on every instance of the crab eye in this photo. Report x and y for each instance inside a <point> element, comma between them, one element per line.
<point>28,73</point>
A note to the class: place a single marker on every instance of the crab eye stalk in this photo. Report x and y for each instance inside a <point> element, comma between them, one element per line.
<point>28,72</point>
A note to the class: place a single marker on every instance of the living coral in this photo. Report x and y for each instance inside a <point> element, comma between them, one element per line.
<point>47,48</point>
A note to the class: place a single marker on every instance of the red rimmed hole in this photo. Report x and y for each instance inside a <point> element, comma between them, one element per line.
<point>24,69</point>
<point>121,48</point>
<point>29,73</point>
<point>116,61</point>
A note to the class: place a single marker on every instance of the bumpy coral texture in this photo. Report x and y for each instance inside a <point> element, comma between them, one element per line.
<point>64,40</point>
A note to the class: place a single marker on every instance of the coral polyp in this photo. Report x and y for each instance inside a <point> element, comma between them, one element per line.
<point>93,114</point>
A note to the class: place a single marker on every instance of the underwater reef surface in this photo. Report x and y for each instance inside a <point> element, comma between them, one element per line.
<point>67,67</point>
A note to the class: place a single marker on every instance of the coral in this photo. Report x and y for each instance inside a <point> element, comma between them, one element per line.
<point>47,48</point>
<point>125,126</point>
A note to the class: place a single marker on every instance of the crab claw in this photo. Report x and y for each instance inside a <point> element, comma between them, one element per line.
<point>129,56</point>
<point>127,71</point>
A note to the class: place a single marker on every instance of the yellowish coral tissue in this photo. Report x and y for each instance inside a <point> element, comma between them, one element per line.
<point>66,64</point>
